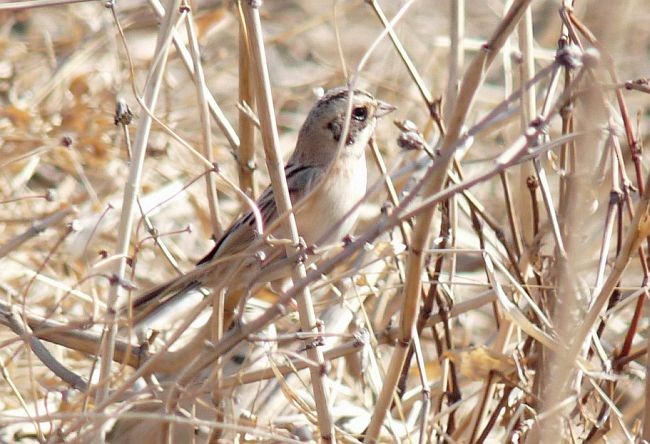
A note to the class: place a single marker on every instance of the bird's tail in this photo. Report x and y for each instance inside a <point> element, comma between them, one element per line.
<point>173,298</point>
<point>162,298</point>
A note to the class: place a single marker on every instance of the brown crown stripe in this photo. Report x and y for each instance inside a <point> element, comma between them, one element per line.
<point>340,93</point>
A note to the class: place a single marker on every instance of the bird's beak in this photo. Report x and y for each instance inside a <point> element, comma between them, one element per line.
<point>383,108</point>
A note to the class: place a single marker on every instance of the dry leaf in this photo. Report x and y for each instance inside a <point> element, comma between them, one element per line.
<point>206,21</point>
<point>432,368</point>
<point>79,86</point>
<point>19,117</point>
<point>477,363</point>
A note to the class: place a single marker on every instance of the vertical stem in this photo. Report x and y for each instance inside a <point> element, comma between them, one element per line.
<point>566,150</point>
<point>206,132</point>
<point>247,164</point>
<point>528,108</point>
<point>415,76</point>
<point>426,392</point>
<point>646,414</point>
<point>571,301</point>
<point>525,31</point>
<point>514,228</point>
<point>615,198</point>
<point>283,202</point>
<point>390,187</point>
<point>434,183</point>
<point>216,320</point>
<point>131,189</point>
<point>500,345</point>
<point>456,53</point>
<point>452,230</point>
<point>215,110</point>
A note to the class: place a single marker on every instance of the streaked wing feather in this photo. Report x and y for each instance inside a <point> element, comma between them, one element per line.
<point>240,235</point>
<point>300,180</point>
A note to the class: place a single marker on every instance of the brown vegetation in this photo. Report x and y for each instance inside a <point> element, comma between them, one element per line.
<point>493,290</point>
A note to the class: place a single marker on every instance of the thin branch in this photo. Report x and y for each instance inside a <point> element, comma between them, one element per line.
<point>206,132</point>
<point>131,190</point>
<point>37,228</point>
<point>13,320</point>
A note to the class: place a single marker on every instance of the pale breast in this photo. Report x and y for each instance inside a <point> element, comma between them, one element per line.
<point>330,204</point>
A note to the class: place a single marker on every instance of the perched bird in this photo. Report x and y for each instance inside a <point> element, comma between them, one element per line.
<point>324,185</point>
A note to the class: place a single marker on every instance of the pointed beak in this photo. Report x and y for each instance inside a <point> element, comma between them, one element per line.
<point>383,108</point>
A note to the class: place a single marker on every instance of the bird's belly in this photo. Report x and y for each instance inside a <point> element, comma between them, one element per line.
<point>328,215</point>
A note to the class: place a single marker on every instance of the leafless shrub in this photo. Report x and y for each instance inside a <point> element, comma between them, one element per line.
<point>493,290</point>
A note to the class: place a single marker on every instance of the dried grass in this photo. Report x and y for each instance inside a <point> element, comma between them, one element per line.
<point>496,293</point>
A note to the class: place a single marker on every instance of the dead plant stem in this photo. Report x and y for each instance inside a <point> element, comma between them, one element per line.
<point>206,132</point>
<point>283,202</point>
<point>131,190</point>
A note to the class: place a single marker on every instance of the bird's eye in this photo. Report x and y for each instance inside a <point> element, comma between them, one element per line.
<point>360,113</point>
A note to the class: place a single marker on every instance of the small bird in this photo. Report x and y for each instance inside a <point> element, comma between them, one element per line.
<point>329,181</point>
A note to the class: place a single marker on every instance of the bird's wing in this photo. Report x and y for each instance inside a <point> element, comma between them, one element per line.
<point>240,235</point>
<point>300,180</point>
